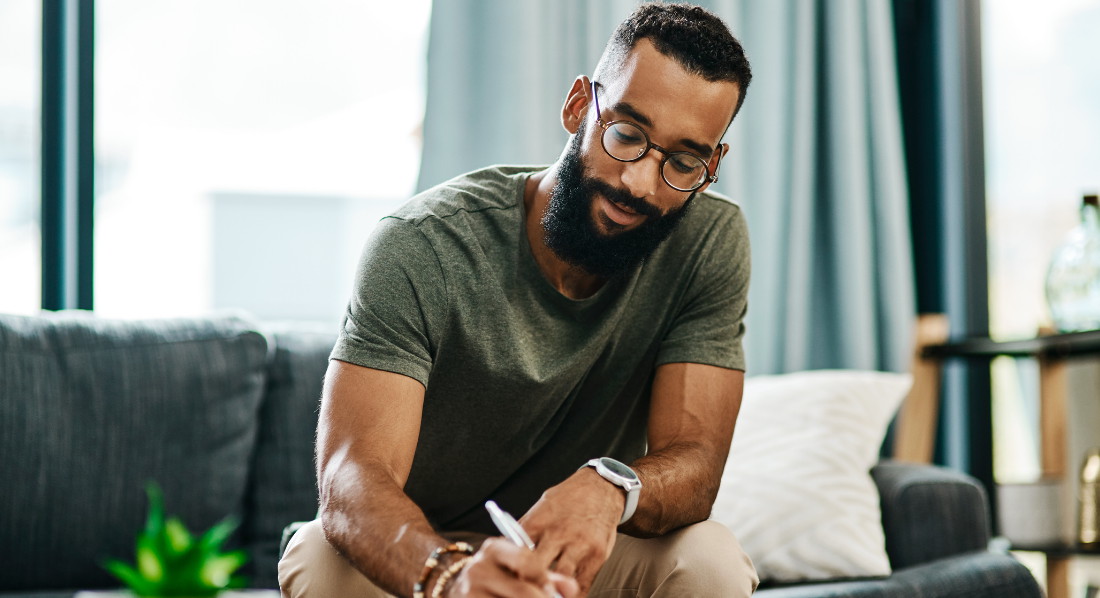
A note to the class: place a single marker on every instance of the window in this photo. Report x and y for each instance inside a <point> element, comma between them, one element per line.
<point>1042,106</point>
<point>245,149</point>
<point>20,237</point>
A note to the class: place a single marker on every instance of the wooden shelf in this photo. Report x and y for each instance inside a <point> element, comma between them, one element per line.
<point>1052,351</point>
<point>1057,550</point>
<point>1055,346</point>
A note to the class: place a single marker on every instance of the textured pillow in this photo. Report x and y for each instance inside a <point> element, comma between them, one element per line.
<point>283,488</point>
<point>797,490</point>
<point>90,409</point>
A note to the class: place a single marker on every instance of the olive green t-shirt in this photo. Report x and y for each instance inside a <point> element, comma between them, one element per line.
<point>523,384</point>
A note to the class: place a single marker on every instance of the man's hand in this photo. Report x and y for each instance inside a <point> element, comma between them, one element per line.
<point>573,525</point>
<point>505,570</point>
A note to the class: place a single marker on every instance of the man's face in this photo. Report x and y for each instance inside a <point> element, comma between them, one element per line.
<point>606,216</point>
<point>573,233</point>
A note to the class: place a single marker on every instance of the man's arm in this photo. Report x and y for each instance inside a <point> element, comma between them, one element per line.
<point>691,420</point>
<point>366,438</point>
<point>693,409</point>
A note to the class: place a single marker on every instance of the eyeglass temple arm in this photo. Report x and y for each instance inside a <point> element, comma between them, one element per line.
<point>714,177</point>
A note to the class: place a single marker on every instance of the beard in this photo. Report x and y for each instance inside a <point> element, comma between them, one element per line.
<point>572,233</point>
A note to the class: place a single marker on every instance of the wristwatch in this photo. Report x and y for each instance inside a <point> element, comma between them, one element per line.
<point>622,476</point>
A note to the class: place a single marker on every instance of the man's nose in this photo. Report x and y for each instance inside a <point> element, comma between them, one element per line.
<point>643,177</point>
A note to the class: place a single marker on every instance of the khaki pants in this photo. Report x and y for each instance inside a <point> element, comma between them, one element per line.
<point>701,560</point>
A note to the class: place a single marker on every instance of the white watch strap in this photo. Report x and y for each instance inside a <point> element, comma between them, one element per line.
<point>631,490</point>
<point>631,505</point>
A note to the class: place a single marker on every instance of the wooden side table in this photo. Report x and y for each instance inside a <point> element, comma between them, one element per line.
<point>917,422</point>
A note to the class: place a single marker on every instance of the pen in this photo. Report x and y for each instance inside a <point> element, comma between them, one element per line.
<point>510,528</point>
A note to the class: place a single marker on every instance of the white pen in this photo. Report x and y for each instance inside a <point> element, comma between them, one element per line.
<point>510,528</point>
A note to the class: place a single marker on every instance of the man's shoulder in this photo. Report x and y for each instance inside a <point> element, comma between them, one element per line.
<point>714,224</point>
<point>717,202</point>
<point>491,188</point>
<point>710,208</point>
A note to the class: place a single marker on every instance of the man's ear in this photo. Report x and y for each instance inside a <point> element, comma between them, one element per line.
<point>713,165</point>
<point>576,104</point>
<point>718,156</point>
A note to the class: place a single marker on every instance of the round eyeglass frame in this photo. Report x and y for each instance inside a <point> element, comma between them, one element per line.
<point>707,177</point>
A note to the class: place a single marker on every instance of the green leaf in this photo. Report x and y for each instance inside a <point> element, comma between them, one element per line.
<point>149,563</point>
<point>130,577</point>
<point>179,539</point>
<point>154,521</point>
<point>216,570</point>
<point>214,537</point>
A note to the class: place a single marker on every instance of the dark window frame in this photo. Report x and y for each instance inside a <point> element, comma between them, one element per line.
<point>68,153</point>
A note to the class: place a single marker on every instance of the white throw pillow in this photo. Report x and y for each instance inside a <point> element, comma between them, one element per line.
<point>797,489</point>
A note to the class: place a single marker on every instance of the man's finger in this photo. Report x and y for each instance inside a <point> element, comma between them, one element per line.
<point>517,559</point>
<point>502,569</point>
<point>549,552</point>
<point>565,586</point>
<point>565,560</point>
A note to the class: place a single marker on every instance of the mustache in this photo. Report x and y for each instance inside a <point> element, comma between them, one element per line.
<point>621,196</point>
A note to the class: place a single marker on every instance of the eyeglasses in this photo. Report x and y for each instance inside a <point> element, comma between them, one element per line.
<point>628,142</point>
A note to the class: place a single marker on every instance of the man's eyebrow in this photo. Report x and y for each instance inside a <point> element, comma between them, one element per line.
<point>702,149</point>
<point>635,115</point>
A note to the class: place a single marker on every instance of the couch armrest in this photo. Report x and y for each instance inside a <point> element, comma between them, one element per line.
<point>930,512</point>
<point>974,575</point>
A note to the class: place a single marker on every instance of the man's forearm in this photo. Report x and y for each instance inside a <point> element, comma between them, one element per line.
<point>679,484</point>
<point>692,415</point>
<point>375,525</point>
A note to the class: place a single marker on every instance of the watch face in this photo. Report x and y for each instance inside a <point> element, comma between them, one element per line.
<point>618,468</point>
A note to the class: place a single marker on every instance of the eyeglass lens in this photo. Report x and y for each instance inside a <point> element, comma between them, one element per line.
<point>627,142</point>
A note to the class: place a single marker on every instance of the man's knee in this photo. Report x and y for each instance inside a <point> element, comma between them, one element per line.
<point>704,559</point>
<point>311,568</point>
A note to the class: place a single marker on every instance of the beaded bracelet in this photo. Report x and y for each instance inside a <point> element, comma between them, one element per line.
<point>445,577</point>
<point>433,562</point>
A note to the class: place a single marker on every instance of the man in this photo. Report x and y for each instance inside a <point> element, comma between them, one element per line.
<point>521,334</point>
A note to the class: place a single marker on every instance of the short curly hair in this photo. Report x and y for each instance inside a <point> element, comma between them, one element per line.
<point>693,36</point>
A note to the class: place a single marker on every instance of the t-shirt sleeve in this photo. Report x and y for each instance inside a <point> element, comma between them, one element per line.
<point>394,309</point>
<point>710,326</point>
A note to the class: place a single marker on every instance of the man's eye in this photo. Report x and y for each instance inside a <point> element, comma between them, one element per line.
<point>684,164</point>
<point>626,137</point>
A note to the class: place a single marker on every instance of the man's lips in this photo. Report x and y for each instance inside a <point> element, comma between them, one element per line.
<point>620,214</point>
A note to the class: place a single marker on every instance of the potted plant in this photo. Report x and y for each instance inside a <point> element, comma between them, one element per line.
<point>170,561</point>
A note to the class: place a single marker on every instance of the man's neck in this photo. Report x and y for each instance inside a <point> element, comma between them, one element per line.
<point>569,280</point>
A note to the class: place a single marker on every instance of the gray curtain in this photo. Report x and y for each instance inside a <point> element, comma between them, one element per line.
<point>816,154</point>
<point>819,166</point>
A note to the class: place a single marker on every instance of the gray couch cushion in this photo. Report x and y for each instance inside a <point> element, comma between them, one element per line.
<point>284,483</point>
<point>91,409</point>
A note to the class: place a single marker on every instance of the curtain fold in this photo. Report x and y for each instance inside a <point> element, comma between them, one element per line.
<point>816,160</point>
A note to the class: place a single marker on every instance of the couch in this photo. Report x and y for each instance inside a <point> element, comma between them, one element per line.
<point>936,524</point>
<point>221,411</point>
